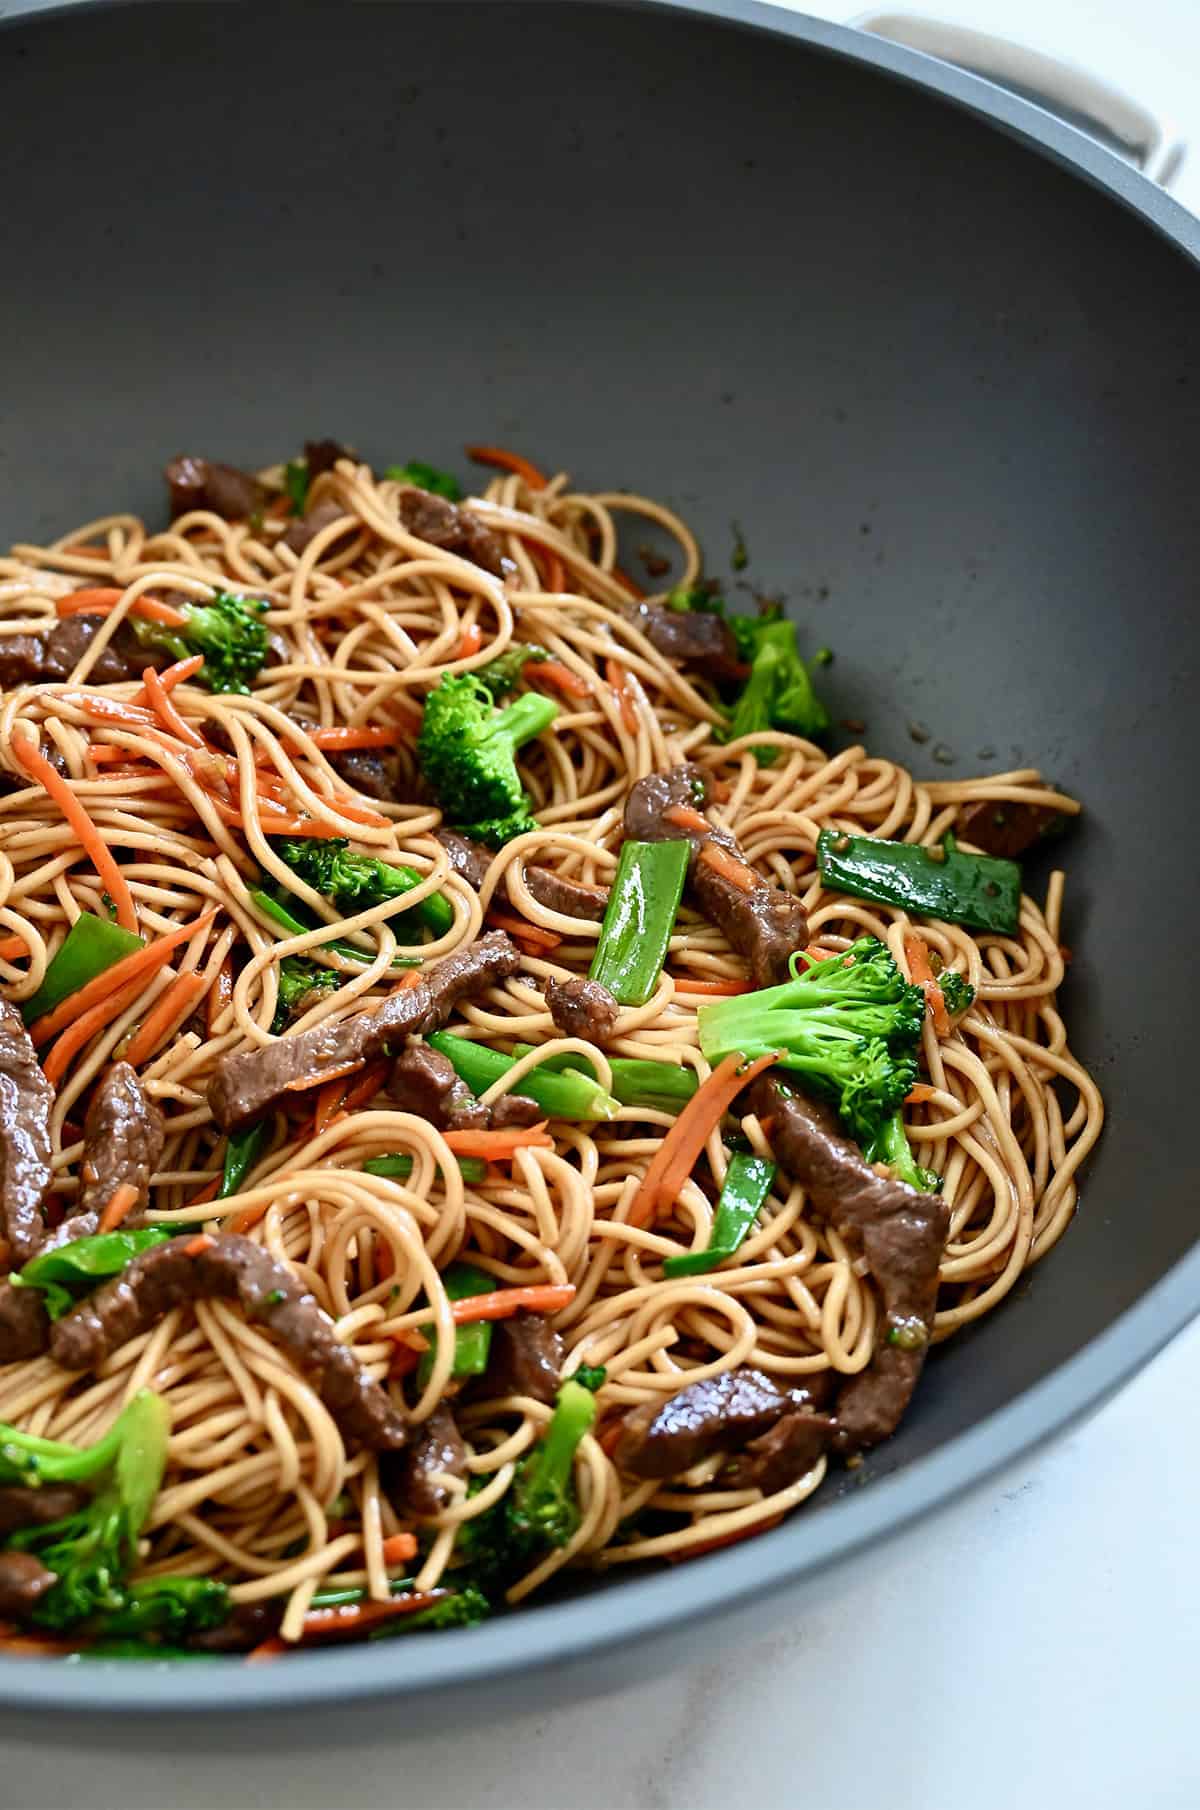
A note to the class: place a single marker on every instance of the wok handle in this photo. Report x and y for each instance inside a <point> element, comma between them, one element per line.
<point>1143,138</point>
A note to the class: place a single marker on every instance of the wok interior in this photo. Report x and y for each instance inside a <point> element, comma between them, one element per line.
<point>949,393</point>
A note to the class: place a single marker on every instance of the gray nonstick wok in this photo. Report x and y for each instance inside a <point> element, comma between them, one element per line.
<point>939,357</point>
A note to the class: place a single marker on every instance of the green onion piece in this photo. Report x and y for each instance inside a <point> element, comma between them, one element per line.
<point>426,477</point>
<point>639,918</point>
<point>295,483</point>
<point>472,1344</point>
<point>748,1181</point>
<point>565,1095</point>
<point>242,1151</point>
<point>473,1168</point>
<point>660,1086</point>
<point>67,1271</point>
<point>981,891</point>
<point>271,908</point>
<point>90,946</point>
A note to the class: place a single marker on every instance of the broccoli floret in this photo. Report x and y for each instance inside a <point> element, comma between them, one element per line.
<point>464,1608</point>
<point>591,1376</point>
<point>92,1550</point>
<point>229,632</point>
<point>169,1607</point>
<point>891,1146</point>
<point>851,1026</point>
<point>299,980</point>
<point>427,477</point>
<point>540,1509</point>
<point>957,991</point>
<point>502,674</point>
<point>359,881</point>
<point>467,752</point>
<point>779,692</point>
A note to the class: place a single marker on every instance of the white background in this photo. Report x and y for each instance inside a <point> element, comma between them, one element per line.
<point>1034,1646</point>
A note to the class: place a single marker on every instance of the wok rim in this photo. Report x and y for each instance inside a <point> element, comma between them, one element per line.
<point>551,1638</point>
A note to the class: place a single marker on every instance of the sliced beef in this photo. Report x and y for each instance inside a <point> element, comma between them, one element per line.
<point>763,923</point>
<point>253,1082</point>
<point>24,1507</point>
<point>246,1625</point>
<point>784,1452</point>
<point>582,1008</point>
<point>720,1413</point>
<point>572,898</point>
<point>26,1099</point>
<point>999,826</point>
<point>205,484</point>
<point>24,1580</point>
<point>470,860</point>
<point>512,1110</point>
<point>270,1294</point>
<point>52,658</point>
<point>693,637</point>
<point>122,1140</point>
<point>451,526</point>
<point>321,456</point>
<point>24,1323</point>
<point>424,1082</point>
<point>525,1358</point>
<point>902,1234</point>
<point>437,1450</point>
<point>373,774</point>
<point>306,527</point>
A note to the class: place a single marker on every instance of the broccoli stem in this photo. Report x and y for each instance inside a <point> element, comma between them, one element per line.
<point>542,1502</point>
<point>525,717</point>
<point>891,1146</point>
<point>639,918</point>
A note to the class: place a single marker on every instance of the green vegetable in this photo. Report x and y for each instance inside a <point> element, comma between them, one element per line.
<point>540,1509</point>
<point>295,483</point>
<point>851,1026</point>
<point>464,1608</point>
<point>427,477</point>
<point>229,632</point>
<point>591,1376</point>
<point>748,1181</point>
<point>91,1551</point>
<point>659,1086</point>
<point>359,881</point>
<point>472,1344</point>
<point>981,891</point>
<point>285,918</point>
<point>502,674</point>
<point>143,1650</point>
<point>957,991</point>
<point>298,979</point>
<point>473,1168</point>
<point>639,918</point>
<point>467,752</point>
<point>891,1146</point>
<point>779,692</point>
<point>561,1095</point>
<point>90,946</point>
<point>68,1271</point>
<point>171,1606</point>
<point>242,1150</point>
<point>739,559</point>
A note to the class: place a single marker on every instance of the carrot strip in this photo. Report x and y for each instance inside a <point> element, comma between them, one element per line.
<point>72,1040</point>
<point>120,1205</point>
<point>404,1359</point>
<point>684,817</point>
<point>472,641</point>
<point>273,824</point>
<point>359,813</point>
<point>918,1094</point>
<point>101,754</point>
<point>303,1085</point>
<point>140,965</point>
<point>266,1651</point>
<point>352,1618</point>
<point>110,710</point>
<point>28,755</point>
<point>725,1539</point>
<point>220,995</point>
<point>623,579</point>
<point>171,676</point>
<point>540,1298</point>
<point>341,739</point>
<point>619,680</point>
<point>166,712</point>
<point>496,1146</point>
<point>208,1192</point>
<point>556,573</point>
<point>714,855</point>
<point>529,933</point>
<point>13,946</point>
<point>720,989</point>
<point>173,1006</point>
<point>921,969</point>
<point>559,677</point>
<point>676,1156</point>
<point>95,597</point>
<point>503,460</point>
<point>398,1548</point>
<point>201,1242</point>
<point>101,600</point>
<point>360,1092</point>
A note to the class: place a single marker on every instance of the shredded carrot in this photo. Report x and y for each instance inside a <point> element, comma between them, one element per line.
<point>103,599</point>
<point>720,791</point>
<point>628,584</point>
<point>359,813</point>
<point>540,1298</point>
<point>725,1539</point>
<point>558,676</point>
<point>684,817</point>
<point>121,1204</point>
<point>171,676</point>
<point>360,1092</point>
<point>398,1548</point>
<point>814,953</point>
<point>555,578</point>
<point>85,549</point>
<point>101,754</point>
<point>169,1011</point>
<point>533,934</point>
<point>274,822</point>
<point>220,995</point>
<point>716,856</point>
<point>352,1618</point>
<point>918,1094</point>
<point>472,641</point>
<point>921,969</point>
<point>496,1146</point>
<point>404,1359</point>
<point>618,679</point>
<point>11,947</point>
<point>110,710</point>
<point>607,1439</point>
<point>139,965</point>
<point>266,1651</point>
<point>503,460</point>
<point>408,981</point>
<point>676,1156</point>
<point>339,740</point>
<point>305,1082</point>
<point>208,1192</point>
<point>166,712</point>
<point>84,1028</point>
<point>200,1243</point>
<point>28,755</point>
<point>718,988</point>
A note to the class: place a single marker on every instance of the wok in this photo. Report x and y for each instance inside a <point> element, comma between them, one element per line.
<point>936,354</point>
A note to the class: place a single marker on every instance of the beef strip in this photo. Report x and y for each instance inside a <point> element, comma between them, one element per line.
<point>572,898</point>
<point>514,1110</point>
<point>24,1580</point>
<point>21,1506</point>
<point>246,1626</point>
<point>582,1008</point>
<point>451,526</point>
<point>902,1234</point>
<point>470,860</point>
<point>999,826</point>
<point>205,484</point>
<point>424,1082</point>
<point>664,1438</point>
<point>437,1449</point>
<point>693,637</point>
<point>269,1292</point>
<point>24,1323</point>
<point>26,1098</point>
<point>373,774</point>
<point>784,1452</point>
<point>306,527</point>
<point>766,924</point>
<point>525,1358</point>
<point>321,456</point>
<point>253,1082</point>
<point>52,658</point>
<point>122,1140</point>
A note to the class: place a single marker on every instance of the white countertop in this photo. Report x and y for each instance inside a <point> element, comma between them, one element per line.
<point>1034,1644</point>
